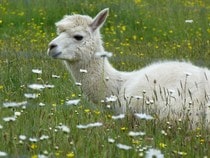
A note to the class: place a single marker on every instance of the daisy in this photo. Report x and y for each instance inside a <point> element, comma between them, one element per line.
<point>37,71</point>
<point>143,116</point>
<point>96,124</point>
<point>121,116</point>
<point>2,154</point>
<point>134,134</point>
<point>124,147</point>
<point>154,153</point>
<point>14,104</point>
<point>73,102</point>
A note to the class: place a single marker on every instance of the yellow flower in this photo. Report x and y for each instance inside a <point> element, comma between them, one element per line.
<point>134,37</point>
<point>123,128</point>
<point>137,1</point>
<point>33,146</point>
<point>34,156</point>
<point>202,141</point>
<point>97,112</point>
<point>70,155</point>
<point>87,110</point>
<point>162,145</point>
<point>54,104</point>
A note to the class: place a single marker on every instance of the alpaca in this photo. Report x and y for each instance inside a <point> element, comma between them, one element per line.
<point>169,89</point>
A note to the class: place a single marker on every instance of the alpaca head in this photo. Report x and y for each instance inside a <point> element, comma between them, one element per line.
<point>78,37</point>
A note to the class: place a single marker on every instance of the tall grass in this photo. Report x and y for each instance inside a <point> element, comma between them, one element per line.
<point>138,32</point>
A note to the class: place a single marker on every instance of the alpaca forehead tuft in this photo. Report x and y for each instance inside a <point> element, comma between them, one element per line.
<point>73,21</point>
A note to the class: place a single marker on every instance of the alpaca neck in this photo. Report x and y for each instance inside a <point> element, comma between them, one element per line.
<point>100,81</point>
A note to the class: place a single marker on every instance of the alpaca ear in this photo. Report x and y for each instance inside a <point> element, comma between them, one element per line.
<point>99,20</point>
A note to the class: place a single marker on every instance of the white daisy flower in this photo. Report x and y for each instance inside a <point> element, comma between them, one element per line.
<point>110,140</point>
<point>44,137</point>
<point>31,95</point>
<point>37,71</point>
<point>134,134</point>
<point>188,21</point>
<point>9,119</point>
<point>124,147</point>
<point>83,71</point>
<point>2,154</point>
<point>121,116</point>
<point>112,98</point>
<point>22,137</point>
<point>14,104</point>
<point>33,140</point>
<point>154,153</point>
<point>143,116</point>
<point>96,124</point>
<point>73,102</point>
<point>55,76</point>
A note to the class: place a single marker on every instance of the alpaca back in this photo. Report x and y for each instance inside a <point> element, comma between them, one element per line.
<point>169,89</point>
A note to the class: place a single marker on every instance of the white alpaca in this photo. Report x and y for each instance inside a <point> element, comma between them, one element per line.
<point>169,89</point>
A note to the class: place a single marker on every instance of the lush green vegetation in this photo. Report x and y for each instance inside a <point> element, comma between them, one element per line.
<point>138,32</point>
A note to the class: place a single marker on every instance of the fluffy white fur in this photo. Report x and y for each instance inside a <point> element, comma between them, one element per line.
<point>170,89</point>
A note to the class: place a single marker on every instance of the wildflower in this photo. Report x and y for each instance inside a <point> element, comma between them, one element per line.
<point>55,76</point>
<point>70,155</point>
<point>22,137</point>
<point>31,95</point>
<point>34,140</point>
<point>143,116</point>
<point>96,124</point>
<point>64,128</point>
<point>162,145</point>
<point>37,71</point>
<point>78,84</point>
<point>112,98</point>
<point>163,132</point>
<point>123,128</point>
<point>73,102</point>
<point>87,110</point>
<point>97,112</point>
<point>9,119</point>
<point>103,54</point>
<point>83,71</point>
<point>14,104</point>
<point>181,153</point>
<point>154,153</point>
<point>1,127</point>
<point>41,104</point>
<point>188,21</point>
<point>121,116</point>
<point>44,137</point>
<point>49,86</point>
<point>110,140</point>
<point>36,86</point>
<point>124,147</point>
<point>17,113</point>
<point>33,146</point>
<point>2,153</point>
<point>134,134</point>
<point>42,156</point>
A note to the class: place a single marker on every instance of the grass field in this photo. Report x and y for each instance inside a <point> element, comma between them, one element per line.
<point>39,123</point>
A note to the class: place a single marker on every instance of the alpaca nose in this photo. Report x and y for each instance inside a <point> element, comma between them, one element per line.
<point>52,46</point>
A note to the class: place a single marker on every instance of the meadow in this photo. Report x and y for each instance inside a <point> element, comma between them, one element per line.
<point>56,119</point>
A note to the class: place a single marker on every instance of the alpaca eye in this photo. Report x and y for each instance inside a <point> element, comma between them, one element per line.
<point>78,37</point>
